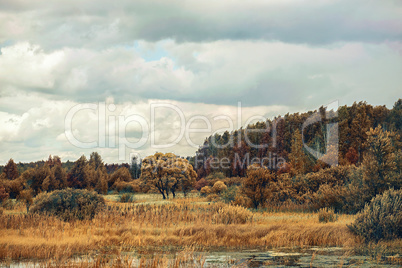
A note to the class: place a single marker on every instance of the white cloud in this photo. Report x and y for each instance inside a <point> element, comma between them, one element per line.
<point>41,130</point>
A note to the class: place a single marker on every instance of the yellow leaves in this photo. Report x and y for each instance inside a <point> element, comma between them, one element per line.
<point>168,173</point>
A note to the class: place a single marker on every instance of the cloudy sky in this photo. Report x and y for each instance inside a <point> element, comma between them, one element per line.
<point>182,62</point>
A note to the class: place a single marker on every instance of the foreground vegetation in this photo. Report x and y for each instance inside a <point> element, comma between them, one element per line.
<point>160,225</point>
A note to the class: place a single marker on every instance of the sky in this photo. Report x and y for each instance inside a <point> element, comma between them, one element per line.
<point>135,77</point>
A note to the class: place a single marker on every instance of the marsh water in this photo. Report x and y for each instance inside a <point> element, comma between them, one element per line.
<point>280,257</point>
<point>311,257</point>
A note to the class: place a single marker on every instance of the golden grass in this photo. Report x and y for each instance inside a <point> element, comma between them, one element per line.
<point>176,224</point>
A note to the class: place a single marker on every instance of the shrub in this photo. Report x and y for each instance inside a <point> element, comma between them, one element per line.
<point>126,187</point>
<point>229,195</point>
<point>200,183</point>
<point>127,198</point>
<point>327,215</point>
<point>69,204</point>
<point>213,197</point>
<point>381,218</point>
<point>206,190</point>
<point>219,187</point>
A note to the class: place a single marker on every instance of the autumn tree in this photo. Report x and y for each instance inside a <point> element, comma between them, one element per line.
<point>379,162</point>
<point>26,196</point>
<point>10,180</point>
<point>56,179</point>
<point>297,157</point>
<point>10,171</point>
<point>3,194</point>
<point>39,178</point>
<point>53,161</point>
<point>359,126</point>
<point>122,174</point>
<point>255,185</point>
<point>78,176</point>
<point>352,156</point>
<point>97,174</point>
<point>200,183</point>
<point>167,173</point>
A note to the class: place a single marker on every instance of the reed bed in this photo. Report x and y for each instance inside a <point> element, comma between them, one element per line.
<point>173,225</point>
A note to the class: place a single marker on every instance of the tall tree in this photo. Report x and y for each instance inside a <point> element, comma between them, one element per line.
<point>135,168</point>
<point>297,157</point>
<point>95,160</point>
<point>395,116</point>
<point>379,162</point>
<point>78,176</point>
<point>97,173</point>
<point>10,171</point>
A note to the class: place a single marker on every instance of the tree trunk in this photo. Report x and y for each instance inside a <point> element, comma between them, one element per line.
<point>162,192</point>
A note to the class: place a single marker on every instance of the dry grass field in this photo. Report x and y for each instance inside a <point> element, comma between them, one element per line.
<point>153,225</point>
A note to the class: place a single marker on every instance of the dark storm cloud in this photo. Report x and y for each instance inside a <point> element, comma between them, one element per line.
<point>104,23</point>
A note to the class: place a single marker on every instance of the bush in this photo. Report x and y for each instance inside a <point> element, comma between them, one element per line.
<point>213,197</point>
<point>229,195</point>
<point>327,215</point>
<point>206,190</point>
<point>381,219</point>
<point>127,198</point>
<point>69,204</point>
<point>126,187</point>
<point>219,187</point>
